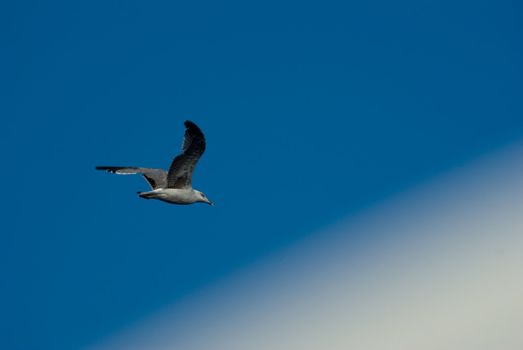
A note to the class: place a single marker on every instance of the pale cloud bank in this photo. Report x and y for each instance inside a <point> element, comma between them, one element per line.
<point>440,267</point>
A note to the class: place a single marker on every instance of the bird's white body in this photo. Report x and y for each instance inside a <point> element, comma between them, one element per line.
<point>176,195</point>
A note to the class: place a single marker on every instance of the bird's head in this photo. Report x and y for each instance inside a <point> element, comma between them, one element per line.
<point>203,198</point>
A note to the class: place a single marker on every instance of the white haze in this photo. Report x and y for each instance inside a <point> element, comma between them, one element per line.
<point>439,267</point>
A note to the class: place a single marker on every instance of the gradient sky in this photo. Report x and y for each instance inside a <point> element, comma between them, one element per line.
<point>442,271</point>
<point>312,112</point>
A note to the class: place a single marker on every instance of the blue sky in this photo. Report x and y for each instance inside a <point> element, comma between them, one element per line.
<point>312,112</point>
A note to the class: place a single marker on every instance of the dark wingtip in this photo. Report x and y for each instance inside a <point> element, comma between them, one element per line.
<point>111,169</point>
<point>191,126</point>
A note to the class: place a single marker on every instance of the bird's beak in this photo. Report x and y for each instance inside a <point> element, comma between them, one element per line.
<point>210,203</point>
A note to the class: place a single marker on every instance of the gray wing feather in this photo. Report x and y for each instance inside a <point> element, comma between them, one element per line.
<point>182,166</point>
<point>157,178</point>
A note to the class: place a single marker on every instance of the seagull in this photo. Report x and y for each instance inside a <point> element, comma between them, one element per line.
<point>175,185</point>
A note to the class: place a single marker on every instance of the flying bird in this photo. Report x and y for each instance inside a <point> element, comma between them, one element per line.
<point>173,186</point>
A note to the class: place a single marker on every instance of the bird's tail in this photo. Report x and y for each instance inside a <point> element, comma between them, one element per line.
<point>145,195</point>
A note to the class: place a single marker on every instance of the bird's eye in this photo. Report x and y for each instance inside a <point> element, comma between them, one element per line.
<point>203,195</point>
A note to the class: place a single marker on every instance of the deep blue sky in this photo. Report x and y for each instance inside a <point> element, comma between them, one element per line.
<point>312,112</point>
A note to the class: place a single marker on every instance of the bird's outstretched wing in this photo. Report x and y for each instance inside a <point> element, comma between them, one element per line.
<point>182,167</point>
<point>157,178</point>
